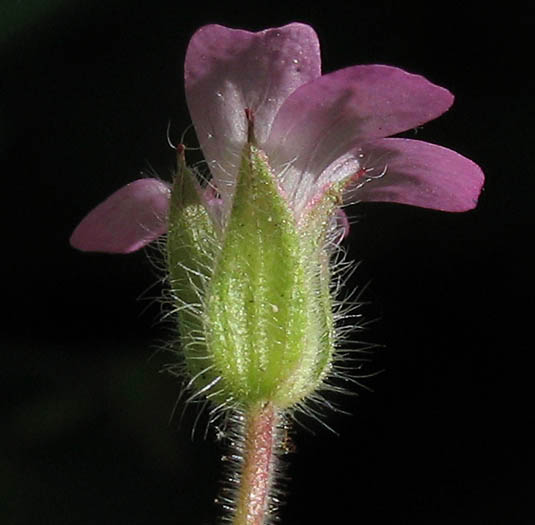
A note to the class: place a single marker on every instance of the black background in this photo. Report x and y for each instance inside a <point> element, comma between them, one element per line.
<point>86,95</point>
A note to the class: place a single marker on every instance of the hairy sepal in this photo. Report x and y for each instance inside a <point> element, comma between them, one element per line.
<point>191,251</point>
<point>268,317</point>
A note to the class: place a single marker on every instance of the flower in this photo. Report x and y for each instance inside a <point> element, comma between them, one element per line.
<point>316,131</point>
<point>248,252</point>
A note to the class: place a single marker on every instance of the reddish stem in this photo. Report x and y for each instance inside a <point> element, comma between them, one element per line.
<point>252,505</point>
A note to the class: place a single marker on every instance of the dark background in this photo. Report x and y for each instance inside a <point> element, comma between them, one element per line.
<point>87,90</point>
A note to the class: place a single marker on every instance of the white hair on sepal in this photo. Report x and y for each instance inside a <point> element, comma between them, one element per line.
<point>352,360</point>
<point>193,343</point>
<point>337,229</point>
<point>214,405</point>
<point>209,398</point>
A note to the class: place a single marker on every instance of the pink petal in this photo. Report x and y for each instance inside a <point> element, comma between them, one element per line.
<point>229,70</point>
<point>325,119</point>
<point>127,220</point>
<point>417,173</point>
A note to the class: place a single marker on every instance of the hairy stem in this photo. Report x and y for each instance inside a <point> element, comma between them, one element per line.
<point>256,476</point>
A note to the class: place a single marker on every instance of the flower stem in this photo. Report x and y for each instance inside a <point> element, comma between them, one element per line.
<point>256,476</point>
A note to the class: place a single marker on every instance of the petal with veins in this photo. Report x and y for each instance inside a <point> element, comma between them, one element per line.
<point>229,70</point>
<point>417,173</point>
<point>325,119</point>
<point>127,220</point>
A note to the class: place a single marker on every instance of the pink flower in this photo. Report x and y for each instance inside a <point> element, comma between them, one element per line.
<point>316,130</point>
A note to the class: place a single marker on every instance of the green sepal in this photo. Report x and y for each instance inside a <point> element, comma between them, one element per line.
<point>314,226</point>
<point>268,323</point>
<point>191,247</point>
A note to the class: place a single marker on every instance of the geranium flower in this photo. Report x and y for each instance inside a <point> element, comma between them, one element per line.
<point>248,252</point>
<point>316,131</point>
